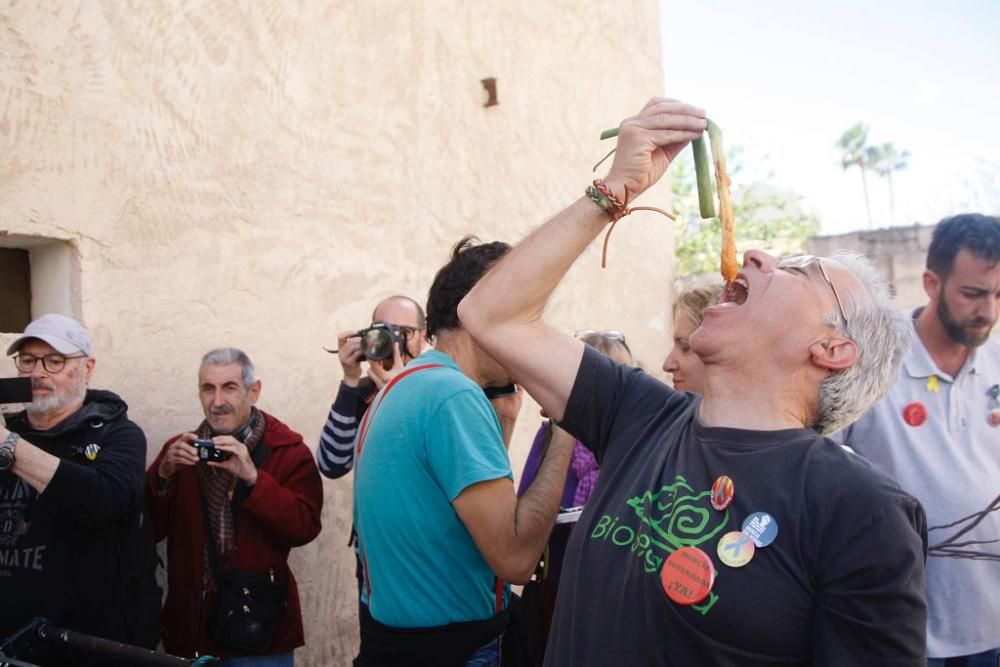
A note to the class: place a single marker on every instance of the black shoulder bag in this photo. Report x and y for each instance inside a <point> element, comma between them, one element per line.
<point>248,605</point>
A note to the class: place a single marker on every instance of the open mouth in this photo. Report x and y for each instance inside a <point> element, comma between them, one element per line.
<point>736,291</point>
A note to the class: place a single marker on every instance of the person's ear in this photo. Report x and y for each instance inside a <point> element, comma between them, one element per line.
<point>834,353</point>
<point>88,369</point>
<point>932,285</point>
<point>254,392</point>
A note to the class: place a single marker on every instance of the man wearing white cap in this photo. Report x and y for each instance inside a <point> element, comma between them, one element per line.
<point>71,474</point>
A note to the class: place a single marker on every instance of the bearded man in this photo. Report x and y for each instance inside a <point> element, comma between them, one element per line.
<point>938,433</point>
<point>71,474</point>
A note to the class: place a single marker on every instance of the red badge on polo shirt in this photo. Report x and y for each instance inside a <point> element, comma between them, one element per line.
<point>687,576</point>
<point>915,413</point>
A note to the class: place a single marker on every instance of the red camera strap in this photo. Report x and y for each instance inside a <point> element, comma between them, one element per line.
<point>377,402</point>
<point>363,433</point>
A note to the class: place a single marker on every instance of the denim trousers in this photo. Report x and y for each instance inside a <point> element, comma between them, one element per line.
<point>488,655</point>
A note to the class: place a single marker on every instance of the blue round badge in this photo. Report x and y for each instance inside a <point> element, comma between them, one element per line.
<point>761,528</point>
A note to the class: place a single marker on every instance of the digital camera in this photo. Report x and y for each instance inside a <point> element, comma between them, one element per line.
<point>378,339</point>
<point>208,452</point>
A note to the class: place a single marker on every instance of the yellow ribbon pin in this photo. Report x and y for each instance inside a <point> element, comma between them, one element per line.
<point>932,384</point>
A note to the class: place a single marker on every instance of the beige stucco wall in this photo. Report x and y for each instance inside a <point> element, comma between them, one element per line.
<point>258,174</point>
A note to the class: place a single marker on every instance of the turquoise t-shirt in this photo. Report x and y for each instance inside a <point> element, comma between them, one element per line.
<point>433,435</point>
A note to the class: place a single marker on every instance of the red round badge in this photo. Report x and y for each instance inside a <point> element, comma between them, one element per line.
<point>687,576</point>
<point>994,418</point>
<point>915,413</point>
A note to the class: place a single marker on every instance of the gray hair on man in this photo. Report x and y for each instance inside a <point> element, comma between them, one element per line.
<point>222,356</point>
<point>882,335</point>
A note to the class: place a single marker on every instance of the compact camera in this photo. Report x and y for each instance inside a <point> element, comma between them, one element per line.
<point>208,452</point>
<point>378,339</point>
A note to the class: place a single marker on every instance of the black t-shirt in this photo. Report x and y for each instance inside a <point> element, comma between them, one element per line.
<point>842,583</point>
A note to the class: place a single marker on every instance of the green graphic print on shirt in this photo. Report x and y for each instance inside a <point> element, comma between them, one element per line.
<point>675,516</point>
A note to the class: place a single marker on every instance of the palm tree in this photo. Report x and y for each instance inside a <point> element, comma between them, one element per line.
<point>854,153</point>
<point>887,159</point>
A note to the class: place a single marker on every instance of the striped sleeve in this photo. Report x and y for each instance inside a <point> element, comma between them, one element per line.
<point>335,454</point>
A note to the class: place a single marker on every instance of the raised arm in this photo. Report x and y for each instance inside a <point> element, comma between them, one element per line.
<point>504,310</point>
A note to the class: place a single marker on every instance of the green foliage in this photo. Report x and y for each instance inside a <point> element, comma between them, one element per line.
<point>765,216</point>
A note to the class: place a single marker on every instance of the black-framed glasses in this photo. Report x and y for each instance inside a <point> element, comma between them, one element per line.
<point>409,332</point>
<point>801,262</point>
<point>53,363</point>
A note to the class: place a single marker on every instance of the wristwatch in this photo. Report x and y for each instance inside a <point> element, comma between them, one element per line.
<point>7,451</point>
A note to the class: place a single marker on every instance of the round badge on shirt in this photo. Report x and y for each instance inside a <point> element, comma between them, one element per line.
<point>687,576</point>
<point>915,413</point>
<point>735,549</point>
<point>761,528</point>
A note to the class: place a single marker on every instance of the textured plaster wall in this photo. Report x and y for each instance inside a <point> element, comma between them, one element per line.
<point>259,173</point>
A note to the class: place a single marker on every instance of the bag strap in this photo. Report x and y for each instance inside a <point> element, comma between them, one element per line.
<point>498,584</point>
<point>362,434</point>
<point>377,403</point>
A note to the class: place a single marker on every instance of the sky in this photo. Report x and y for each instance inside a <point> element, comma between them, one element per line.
<point>784,79</point>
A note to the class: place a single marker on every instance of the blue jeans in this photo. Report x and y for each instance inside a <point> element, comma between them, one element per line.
<point>989,658</point>
<point>276,660</point>
<point>488,655</point>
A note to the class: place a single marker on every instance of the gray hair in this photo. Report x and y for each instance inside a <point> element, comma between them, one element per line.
<point>222,356</point>
<point>610,346</point>
<point>882,335</point>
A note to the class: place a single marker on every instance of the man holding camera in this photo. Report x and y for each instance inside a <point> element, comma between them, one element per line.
<point>440,527</point>
<point>71,466</point>
<point>232,498</point>
<point>394,338</point>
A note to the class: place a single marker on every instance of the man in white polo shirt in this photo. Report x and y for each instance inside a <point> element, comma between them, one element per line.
<point>937,432</point>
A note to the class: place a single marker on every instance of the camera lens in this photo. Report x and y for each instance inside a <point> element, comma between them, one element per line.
<point>376,344</point>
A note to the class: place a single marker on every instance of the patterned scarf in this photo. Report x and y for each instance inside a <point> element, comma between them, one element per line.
<point>218,486</point>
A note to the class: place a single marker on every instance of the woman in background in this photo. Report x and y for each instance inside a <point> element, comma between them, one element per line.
<point>684,366</point>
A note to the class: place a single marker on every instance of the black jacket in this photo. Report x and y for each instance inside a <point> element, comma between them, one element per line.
<point>59,549</point>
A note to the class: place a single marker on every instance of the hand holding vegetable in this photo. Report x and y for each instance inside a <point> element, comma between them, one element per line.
<point>648,143</point>
<point>663,155</point>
